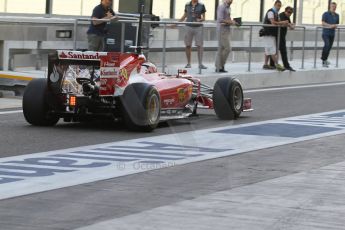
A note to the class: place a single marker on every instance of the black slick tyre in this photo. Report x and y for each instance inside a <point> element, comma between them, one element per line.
<point>35,104</point>
<point>228,98</point>
<point>141,107</point>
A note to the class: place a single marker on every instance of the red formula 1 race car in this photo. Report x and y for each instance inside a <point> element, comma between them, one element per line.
<point>125,86</point>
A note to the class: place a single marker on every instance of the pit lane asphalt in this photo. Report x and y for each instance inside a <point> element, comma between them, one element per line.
<point>82,205</point>
<point>17,137</point>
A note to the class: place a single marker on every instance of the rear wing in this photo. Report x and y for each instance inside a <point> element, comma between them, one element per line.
<point>109,65</point>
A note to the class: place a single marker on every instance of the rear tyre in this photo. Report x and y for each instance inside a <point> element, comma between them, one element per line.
<point>228,98</point>
<point>35,105</point>
<point>141,107</point>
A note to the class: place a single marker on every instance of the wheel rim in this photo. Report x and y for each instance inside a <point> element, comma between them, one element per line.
<point>237,98</point>
<point>153,109</point>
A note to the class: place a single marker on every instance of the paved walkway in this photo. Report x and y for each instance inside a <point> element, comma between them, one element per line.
<point>309,200</point>
<point>9,103</point>
<point>233,68</point>
<point>239,68</point>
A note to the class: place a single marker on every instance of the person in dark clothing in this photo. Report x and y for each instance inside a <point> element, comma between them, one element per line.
<point>285,16</point>
<point>330,20</point>
<point>97,29</point>
<point>270,36</point>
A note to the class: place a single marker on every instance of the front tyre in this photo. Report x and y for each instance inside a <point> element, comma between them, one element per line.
<point>228,98</point>
<point>35,105</point>
<point>141,107</point>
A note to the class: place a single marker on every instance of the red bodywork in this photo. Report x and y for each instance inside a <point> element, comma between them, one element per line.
<point>117,69</point>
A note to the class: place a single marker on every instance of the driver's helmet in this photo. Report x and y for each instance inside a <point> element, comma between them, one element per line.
<point>148,67</point>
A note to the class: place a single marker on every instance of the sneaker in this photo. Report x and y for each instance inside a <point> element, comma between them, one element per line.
<point>221,71</point>
<point>280,68</point>
<point>290,69</point>
<point>188,66</point>
<point>266,67</point>
<point>325,64</point>
<point>202,66</point>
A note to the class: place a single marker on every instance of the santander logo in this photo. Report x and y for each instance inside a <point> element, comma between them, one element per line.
<point>62,55</point>
<point>81,55</point>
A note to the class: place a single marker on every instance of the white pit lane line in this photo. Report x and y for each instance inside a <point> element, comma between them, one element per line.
<point>294,87</point>
<point>11,112</point>
<point>38,172</point>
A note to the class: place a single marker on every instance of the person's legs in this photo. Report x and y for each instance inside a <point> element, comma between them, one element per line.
<point>199,42</point>
<point>94,42</point>
<point>271,53</point>
<point>226,48</point>
<point>272,63</point>
<point>219,51</point>
<point>200,54</point>
<point>326,48</point>
<point>223,49</point>
<point>188,39</point>
<point>188,54</point>
<point>283,53</point>
<point>102,44</point>
<point>331,41</point>
<point>274,59</point>
<point>267,55</point>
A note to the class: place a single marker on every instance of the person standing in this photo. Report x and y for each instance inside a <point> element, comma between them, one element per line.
<point>97,30</point>
<point>285,16</point>
<point>194,12</point>
<point>330,20</point>
<point>224,22</point>
<point>270,35</point>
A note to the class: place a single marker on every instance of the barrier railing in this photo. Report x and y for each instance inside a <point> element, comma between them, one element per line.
<point>212,25</point>
<point>166,25</point>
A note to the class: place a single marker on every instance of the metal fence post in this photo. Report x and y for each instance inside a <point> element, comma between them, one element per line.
<point>303,47</point>
<point>123,30</point>
<point>75,28</point>
<point>338,47</point>
<point>201,62</point>
<point>250,49</point>
<point>278,44</point>
<point>291,50</point>
<point>164,47</point>
<point>315,47</point>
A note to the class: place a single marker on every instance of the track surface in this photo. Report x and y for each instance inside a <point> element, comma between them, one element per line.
<point>83,205</point>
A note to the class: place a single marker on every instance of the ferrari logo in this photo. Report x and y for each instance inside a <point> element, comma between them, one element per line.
<point>181,95</point>
<point>124,73</point>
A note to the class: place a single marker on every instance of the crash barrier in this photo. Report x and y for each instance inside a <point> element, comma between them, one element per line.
<point>169,24</point>
<point>37,36</point>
